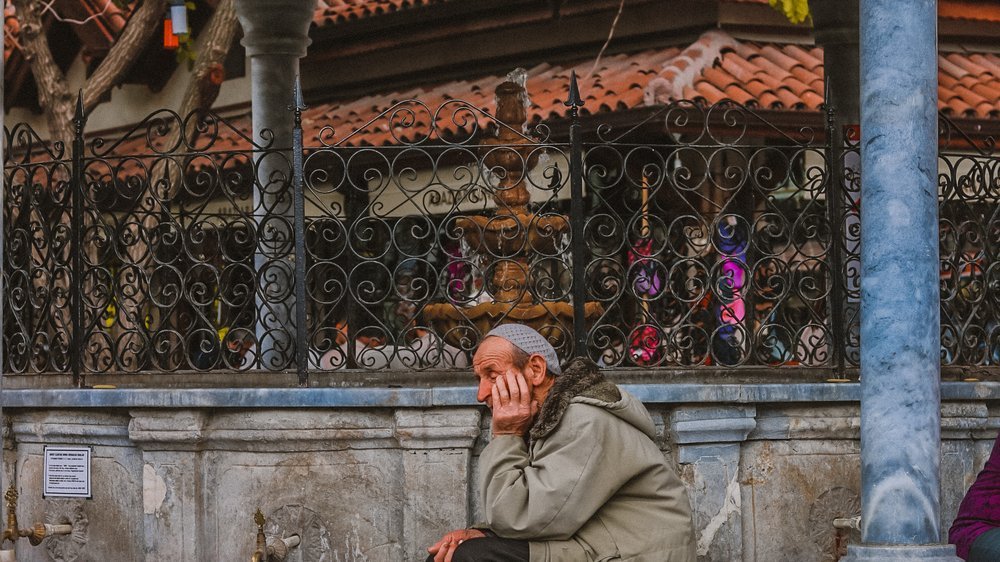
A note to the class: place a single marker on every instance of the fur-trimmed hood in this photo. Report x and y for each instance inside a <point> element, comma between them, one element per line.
<point>581,381</point>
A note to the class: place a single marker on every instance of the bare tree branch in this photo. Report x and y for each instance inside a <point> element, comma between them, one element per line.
<point>126,49</point>
<point>53,90</point>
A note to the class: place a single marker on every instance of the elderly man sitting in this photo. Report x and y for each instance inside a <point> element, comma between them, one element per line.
<point>572,472</point>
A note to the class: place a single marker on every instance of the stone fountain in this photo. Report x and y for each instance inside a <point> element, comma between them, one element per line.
<point>510,238</point>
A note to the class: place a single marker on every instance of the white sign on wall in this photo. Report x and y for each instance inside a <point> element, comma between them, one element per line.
<point>67,472</point>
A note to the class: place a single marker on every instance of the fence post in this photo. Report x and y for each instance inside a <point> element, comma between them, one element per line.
<point>76,231</point>
<point>577,221</point>
<point>835,216</point>
<point>298,185</point>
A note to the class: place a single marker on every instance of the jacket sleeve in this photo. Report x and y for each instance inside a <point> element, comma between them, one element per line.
<point>980,509</point>
<point>573,473</point>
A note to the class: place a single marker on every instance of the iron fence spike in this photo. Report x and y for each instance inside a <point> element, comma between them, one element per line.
<point>574,92</point>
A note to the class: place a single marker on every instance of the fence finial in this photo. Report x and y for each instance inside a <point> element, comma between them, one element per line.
<point>574,92</point>
<point>827,105</point>
<point>298,103</point>
<point>79,117</point>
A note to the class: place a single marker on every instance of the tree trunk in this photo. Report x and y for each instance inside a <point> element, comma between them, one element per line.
<point>201,92</point>
<point>127,47</point>
<point>55,96</point>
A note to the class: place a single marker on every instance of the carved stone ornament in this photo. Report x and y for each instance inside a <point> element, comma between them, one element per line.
<point>66,548</point>
<point>833,503</point>
<point>298,520</point>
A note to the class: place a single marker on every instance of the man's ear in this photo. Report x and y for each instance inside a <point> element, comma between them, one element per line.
<point>536,370</point>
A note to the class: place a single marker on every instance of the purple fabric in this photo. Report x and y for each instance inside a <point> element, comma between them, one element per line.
<point>980,509</point>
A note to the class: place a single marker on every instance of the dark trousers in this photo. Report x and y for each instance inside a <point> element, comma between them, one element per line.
<point>986,547</point>
<point>490,549</point>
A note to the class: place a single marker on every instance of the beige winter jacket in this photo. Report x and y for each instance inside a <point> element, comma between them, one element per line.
<point>591,485</point>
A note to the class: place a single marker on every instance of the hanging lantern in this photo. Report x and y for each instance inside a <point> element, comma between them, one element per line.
<point>169,39</point>
<point>179,17</point>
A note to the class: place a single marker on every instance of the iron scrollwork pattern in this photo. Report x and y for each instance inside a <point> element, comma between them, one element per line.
<point>36,258</point>
<point>416,248</point>
<point>712,249</point>
<point>710,237</point>
<point>969,222</point>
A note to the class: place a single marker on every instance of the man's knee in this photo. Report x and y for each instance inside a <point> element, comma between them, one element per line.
<point>469,551</point>
<point>491,549</point>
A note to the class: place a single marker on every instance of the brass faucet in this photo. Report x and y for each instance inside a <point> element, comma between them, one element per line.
<point>260,552</point>
<point>36,534</point>
<point>277,550</point>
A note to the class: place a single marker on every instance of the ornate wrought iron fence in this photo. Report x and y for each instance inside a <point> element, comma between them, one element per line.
<point>712,248</point>
<point>704,236</point>
<point>37,270</point>
<point>969,216</point>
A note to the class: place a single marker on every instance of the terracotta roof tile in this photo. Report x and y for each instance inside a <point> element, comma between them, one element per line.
<point>945,80</point>
<point>812,99</point>
<point>692,94</point>
<point>989,61</point>
<point>966,10</point>
<point>951,68</point>
<point>714,68</point>
<point>719,77</point>
<point>103,23</point>
<point>797,86</point>
<point>812,59</point>
<point>778,57</point>
<point>963,61</point>
<point>771,67</point>
<point>739,67</point>
<point>970,84</point>
<point>969,96</point>
<point>340,11</point>
<point>955,105</point>
<point>789,99</point>
<point>770,101</point>
<point>739,95</point>
<point>989,92</point>
<point>947,9</point>
<point>757,88</point>
<point>807,76</point>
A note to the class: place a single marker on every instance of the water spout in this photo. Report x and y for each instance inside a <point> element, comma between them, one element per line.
<point>273,549</point>
<point>35,534</point>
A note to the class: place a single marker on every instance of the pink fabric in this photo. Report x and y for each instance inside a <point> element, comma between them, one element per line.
<point>980,509</point>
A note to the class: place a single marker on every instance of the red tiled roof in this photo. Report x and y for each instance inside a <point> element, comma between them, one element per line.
<point>969,84</point>
<point>966,10</point>
<point>103,22</point>
<point>769,76</point>
<point>339,11</point>
<point>974,10</point>
<point>619,83</point>
<point>765,75</point>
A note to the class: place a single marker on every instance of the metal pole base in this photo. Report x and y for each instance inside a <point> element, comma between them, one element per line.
<point>901,553</point>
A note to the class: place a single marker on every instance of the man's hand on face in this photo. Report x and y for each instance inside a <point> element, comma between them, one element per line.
<point>444,549</point>
<point>513,409</point>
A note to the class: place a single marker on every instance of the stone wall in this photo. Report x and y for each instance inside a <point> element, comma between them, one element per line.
<point>765,479</point>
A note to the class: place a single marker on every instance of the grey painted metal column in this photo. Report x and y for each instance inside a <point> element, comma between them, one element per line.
<point>275,34</point>
<point>900,306</point>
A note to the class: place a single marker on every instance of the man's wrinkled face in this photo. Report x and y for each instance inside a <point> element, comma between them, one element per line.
<point>492,359</point>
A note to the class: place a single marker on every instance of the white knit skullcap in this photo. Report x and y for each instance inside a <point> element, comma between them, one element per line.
<point>529,341</point>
